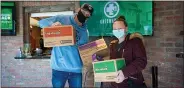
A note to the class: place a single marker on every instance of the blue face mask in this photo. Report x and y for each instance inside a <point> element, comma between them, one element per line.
<point>119,33</point>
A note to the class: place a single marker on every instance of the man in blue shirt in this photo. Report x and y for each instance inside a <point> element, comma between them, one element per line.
<point>66,63</point>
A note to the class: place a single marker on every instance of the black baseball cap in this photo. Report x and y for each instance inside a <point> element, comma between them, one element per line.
<point>87,7</point>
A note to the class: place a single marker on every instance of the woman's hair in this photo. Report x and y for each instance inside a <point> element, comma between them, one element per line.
<point>122,18</point>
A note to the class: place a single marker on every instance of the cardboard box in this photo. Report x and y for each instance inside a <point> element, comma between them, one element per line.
<point>86,51</point>
<point>106,71</point>
<point>59,36</point>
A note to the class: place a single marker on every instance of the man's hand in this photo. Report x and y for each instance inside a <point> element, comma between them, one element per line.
<point>56,24</point>
<point>34,22</point>
<point>120,77</point>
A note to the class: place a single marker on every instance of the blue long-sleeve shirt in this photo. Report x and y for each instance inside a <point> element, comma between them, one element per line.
<point>67,58</point>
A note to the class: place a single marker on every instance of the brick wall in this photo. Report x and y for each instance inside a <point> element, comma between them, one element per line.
<point>165,43</point>
<point>161,49</point>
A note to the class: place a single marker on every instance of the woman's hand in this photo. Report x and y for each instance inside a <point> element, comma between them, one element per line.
<point>120,77</point>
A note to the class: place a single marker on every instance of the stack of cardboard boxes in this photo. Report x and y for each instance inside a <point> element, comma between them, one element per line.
<point>104,71</point>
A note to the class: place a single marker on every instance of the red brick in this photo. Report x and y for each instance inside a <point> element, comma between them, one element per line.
<point>177,87</point>
<point>179,65</point>
<point>179,6</point>
<point>156,49</point>
<point>158,9</point>
<point>178,17</point>
<point>169,17</point>
<point>174,49</point>
<point>175,80</point>
<point>163,3</point>
<point>170,59</point>
<point>178,22</point>
<point>178,44</point>
<point>177,2</point>
<point>169,7</point>
<point>180,12</point>
<point>157,58</point>
<point>166,13</point>
<point>166,44</point>
<point>161,70</point>
<point>171,39</point>
<point>151,43</point>
<point>155,25</point>
<point>166,24</point>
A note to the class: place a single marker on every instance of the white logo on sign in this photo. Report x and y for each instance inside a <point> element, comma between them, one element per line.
<point>111,9</point>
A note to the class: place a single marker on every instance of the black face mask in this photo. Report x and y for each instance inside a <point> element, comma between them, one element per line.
<point>81,17</point>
